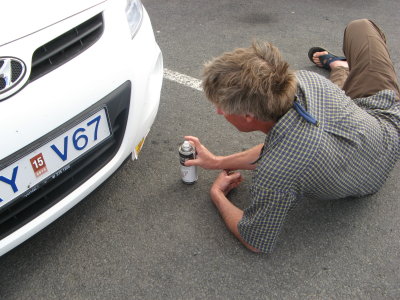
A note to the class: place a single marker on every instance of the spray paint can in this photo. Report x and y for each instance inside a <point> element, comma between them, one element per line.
<point>187,152</point>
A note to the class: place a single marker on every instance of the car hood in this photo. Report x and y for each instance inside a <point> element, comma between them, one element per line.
<point>21,18</point>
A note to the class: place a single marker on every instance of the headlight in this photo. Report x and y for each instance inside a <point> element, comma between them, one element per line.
<point>134,15</point>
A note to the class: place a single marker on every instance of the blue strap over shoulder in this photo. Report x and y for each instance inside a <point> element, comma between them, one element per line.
<point>303,113</point>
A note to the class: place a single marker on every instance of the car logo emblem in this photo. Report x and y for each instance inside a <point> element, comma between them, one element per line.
<point>12,70</point>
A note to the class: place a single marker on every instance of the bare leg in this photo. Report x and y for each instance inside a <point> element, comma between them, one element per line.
<point>339,69</point>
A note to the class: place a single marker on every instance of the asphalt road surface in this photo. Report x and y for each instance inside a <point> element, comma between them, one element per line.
<point>145,235</point>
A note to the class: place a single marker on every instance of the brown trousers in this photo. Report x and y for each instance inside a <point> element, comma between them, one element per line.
<point>370,67</point>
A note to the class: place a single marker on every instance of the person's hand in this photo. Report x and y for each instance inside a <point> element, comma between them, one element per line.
<point>226,181</point>
<point>204,158</point>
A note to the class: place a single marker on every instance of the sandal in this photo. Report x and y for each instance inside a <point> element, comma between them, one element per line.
<point>326,59</point>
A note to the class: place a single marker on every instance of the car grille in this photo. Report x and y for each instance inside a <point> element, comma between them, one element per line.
<point>65,47</point>
<point>25,208</point>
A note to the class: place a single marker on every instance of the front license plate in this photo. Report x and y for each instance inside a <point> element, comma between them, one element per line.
<point>48,161</point>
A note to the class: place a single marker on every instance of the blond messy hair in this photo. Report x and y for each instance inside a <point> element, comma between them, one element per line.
<point>254,80</point>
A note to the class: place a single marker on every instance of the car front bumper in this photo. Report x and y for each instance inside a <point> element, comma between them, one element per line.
<point>117,72</point>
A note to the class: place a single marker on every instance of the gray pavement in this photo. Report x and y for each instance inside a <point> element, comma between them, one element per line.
<point>145,235</point>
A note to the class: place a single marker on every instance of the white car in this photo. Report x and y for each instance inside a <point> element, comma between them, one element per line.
<point>80,86</point>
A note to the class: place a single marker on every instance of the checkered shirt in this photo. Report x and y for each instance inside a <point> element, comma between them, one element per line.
<point>349,153</point>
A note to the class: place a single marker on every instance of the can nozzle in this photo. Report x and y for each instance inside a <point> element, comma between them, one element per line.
<point>186,146</point>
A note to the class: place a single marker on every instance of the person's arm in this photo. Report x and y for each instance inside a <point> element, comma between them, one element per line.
<point>238,161</point>
<point>230,213</point>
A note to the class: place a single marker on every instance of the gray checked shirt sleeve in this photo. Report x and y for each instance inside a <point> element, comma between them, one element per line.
<point>263,220</point>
